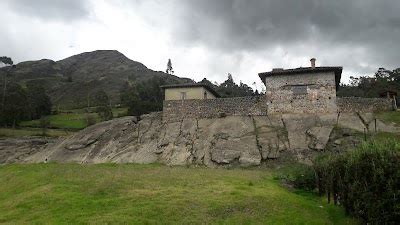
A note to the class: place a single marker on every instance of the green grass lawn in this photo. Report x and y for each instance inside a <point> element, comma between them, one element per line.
<point>73,119</point>
<point>25,132</point>
<point>391,116</point>
<point>154,194</point>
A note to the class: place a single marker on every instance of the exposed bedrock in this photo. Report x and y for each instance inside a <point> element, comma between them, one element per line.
<point>233,140</point>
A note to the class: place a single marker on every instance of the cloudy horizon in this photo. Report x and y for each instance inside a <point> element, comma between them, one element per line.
<point>209,38</point>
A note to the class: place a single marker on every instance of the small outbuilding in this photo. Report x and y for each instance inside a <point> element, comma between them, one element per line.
<point>189,91</point>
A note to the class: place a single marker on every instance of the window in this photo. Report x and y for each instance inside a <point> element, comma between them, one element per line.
<point>183,95</point>
<point>299,89</point>
<point>205,95</point>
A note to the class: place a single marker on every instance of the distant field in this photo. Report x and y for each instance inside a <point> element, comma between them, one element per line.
<point>63,121</point>
<point>392,116</point>
<point>72,119</point>
<point>153,194</point>
<point>24,132</point>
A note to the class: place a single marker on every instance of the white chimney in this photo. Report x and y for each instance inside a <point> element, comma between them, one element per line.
<point>313,62</point>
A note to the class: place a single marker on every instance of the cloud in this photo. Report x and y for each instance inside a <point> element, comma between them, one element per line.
<point>66,10</point>
<point>353,33</point>
<point>210,38</point>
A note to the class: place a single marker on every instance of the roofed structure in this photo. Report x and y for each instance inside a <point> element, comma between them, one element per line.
<point>304,70</point>
<point>189,91</point>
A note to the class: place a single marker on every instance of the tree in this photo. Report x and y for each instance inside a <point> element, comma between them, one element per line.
<point>16,107</point>
<point>8,61</point>
<point>39,102</point>
<point>44,124</point>
<point>103,107</point>
<point>130,97</point>
<point>230,89</point>
<point>372,86</point>
<point>169,67</point>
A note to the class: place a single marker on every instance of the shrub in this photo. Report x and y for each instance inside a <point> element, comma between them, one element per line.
<point>365,181</point>
<point>300,176</point>
<point>90,120</point>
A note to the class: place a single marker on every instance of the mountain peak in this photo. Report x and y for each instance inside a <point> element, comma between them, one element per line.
<point>100,60</point>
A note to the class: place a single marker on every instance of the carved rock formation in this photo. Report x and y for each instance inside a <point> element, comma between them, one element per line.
<point>228,141</point>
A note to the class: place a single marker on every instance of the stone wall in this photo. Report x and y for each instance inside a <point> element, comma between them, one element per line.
<point>301,93</point>
<point>213,108</point>
<point>174,111</point>
<point>356,104</point>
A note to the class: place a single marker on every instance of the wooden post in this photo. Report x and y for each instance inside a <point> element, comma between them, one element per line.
<point>365,135</point>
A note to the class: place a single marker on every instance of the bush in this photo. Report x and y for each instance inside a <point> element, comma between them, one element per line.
<point>90,120</point>
<point>366,181</point>
<point>300,176</point>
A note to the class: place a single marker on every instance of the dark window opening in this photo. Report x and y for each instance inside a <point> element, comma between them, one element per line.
<point>299,90</point>
<point>205,95</point>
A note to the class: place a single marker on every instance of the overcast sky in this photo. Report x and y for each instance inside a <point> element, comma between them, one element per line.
<point>209,38</point>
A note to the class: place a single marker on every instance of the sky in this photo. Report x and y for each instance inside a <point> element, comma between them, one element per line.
<point>209,38</point>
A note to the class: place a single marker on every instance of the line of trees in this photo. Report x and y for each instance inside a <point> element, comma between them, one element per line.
<point>372,86</point>
<point>21,103</point>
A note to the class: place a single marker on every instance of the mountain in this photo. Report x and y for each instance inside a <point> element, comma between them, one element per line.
<point>70,81</point>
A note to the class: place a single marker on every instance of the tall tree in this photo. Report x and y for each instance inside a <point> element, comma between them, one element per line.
<point>16,107</point>
<point>103,107</point>
<point>130,97</point>
<point>7,61</point>
<point>169,70</point>
<point>39,102</point>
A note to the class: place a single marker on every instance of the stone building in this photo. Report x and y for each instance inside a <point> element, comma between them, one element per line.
<point>302,90</point>
<point>189,92</point>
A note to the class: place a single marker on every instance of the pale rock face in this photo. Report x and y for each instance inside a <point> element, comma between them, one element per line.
<point>229,141</point>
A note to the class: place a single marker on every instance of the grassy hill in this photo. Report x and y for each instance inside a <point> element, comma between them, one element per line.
<point>69,82</point>
<point>153,194</point>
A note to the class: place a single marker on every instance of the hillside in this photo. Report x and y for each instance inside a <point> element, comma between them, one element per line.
<point>70,81</point>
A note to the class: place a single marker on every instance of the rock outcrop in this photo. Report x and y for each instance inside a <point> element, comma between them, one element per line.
<point>228,141</point>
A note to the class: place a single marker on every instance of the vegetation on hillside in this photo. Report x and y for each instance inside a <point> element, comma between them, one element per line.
<point>153,194</point>
<point>372,86</point>
<point>21,103</point>
<point>229,88</point>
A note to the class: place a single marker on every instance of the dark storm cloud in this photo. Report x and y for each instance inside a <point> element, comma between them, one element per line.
<point>370,26</point>
<point>68,10</point>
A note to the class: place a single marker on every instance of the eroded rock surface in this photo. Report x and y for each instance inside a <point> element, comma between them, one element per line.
<point>233,140</point>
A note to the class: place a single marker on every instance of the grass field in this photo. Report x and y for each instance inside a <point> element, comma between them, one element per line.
<point>392,116</point>
<point>72,119</point>
<point>26,132</point>
<point>154,194</point>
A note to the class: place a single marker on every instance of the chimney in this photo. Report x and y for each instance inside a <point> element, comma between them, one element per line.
<point>313,62</point>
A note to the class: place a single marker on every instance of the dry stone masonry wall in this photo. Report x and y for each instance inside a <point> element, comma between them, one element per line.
<point>213,108</point>
<point>174,111</point>
<point>301,93</point>
<point>355,104</point>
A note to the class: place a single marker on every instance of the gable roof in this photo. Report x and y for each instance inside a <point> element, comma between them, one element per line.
<point>304,70</point>
<point>188,85</point>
